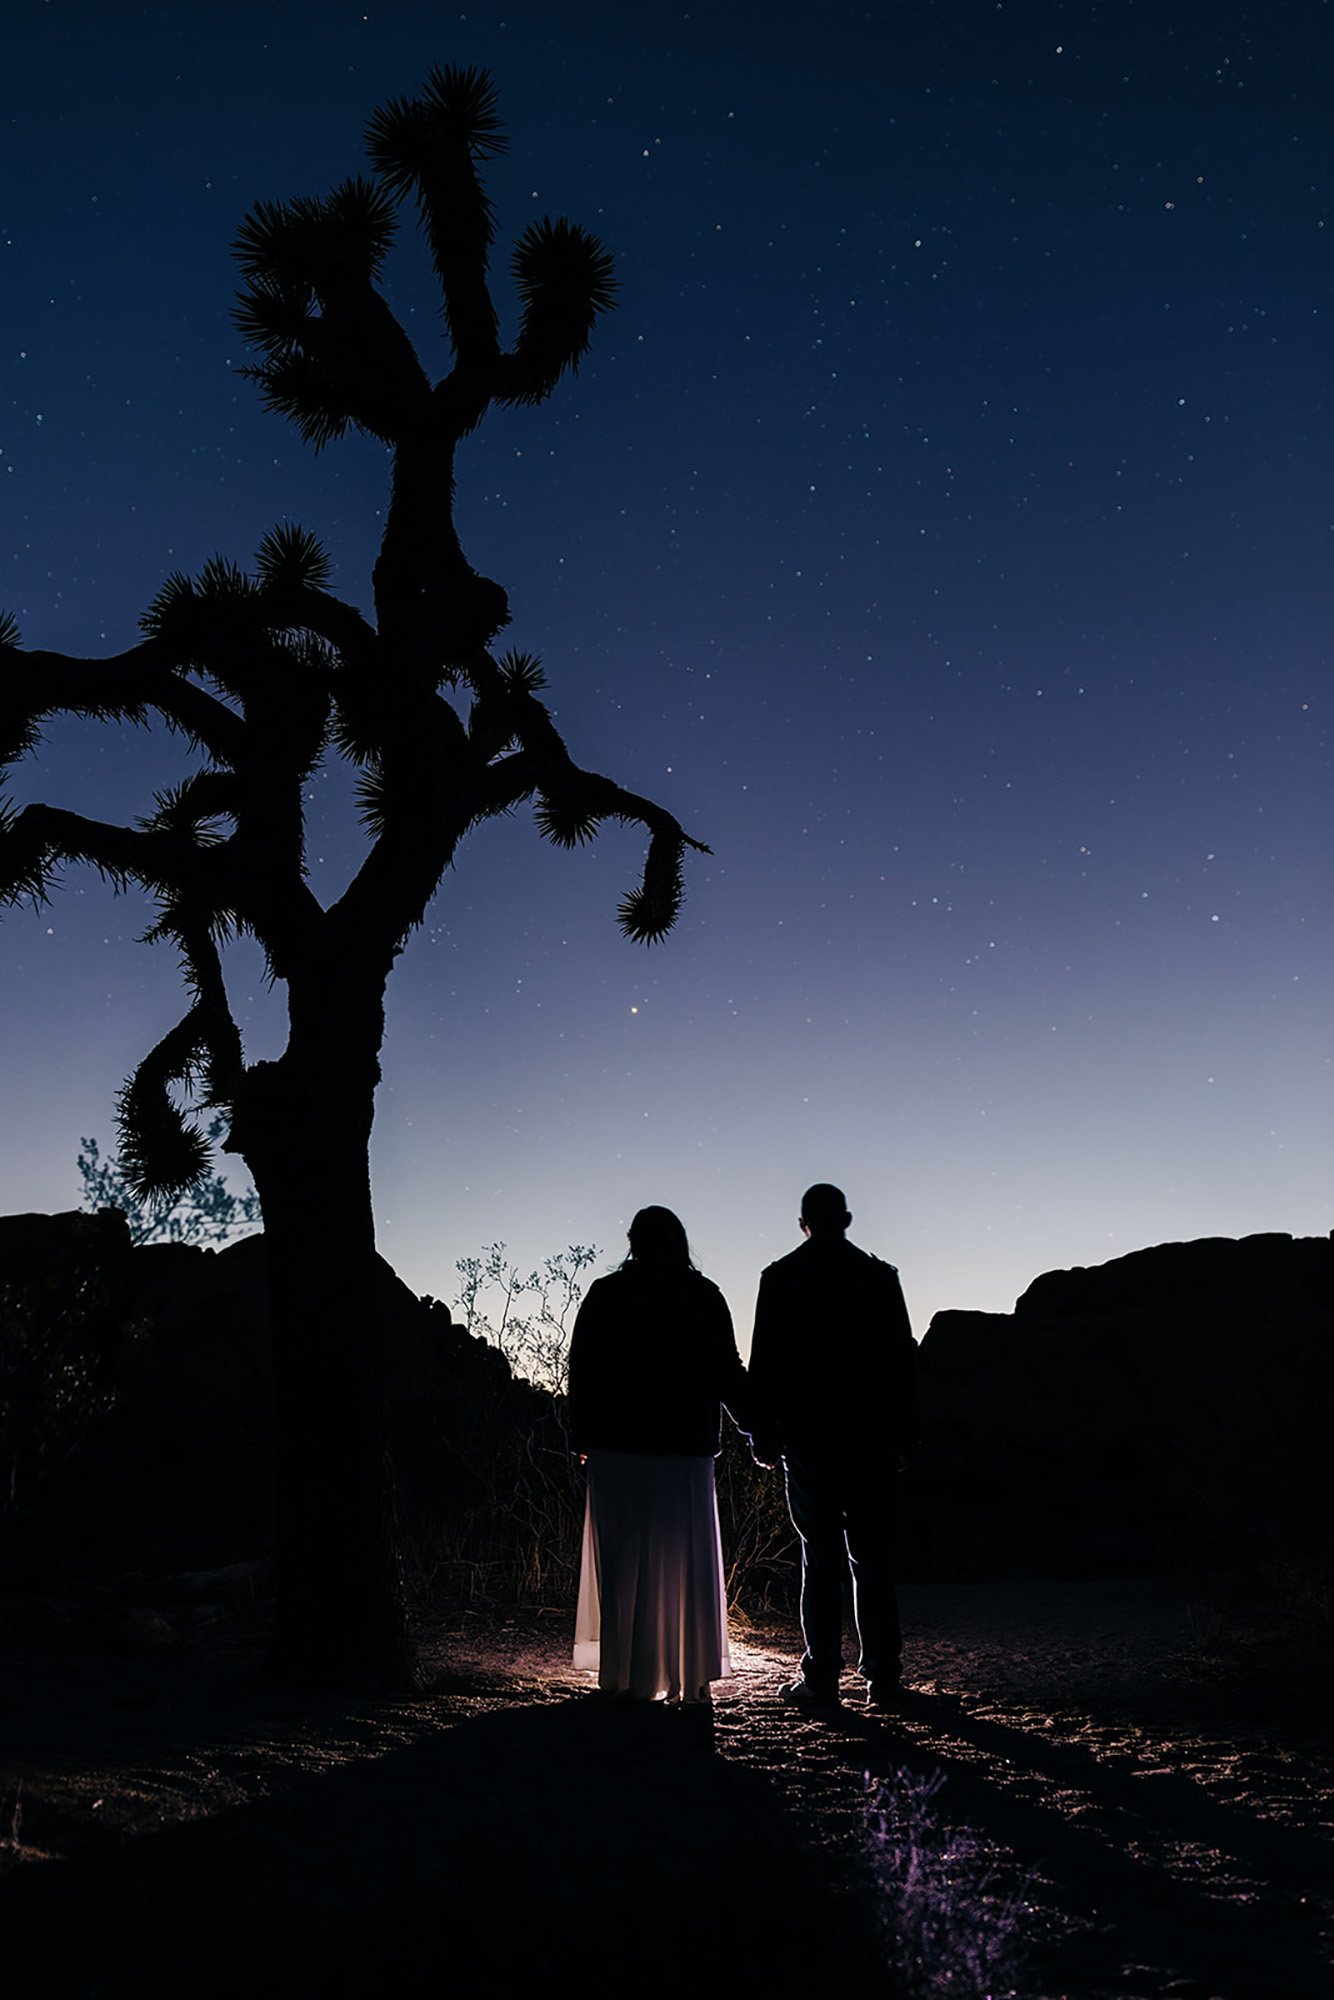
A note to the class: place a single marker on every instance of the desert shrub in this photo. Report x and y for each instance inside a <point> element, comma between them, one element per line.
<point>952,1929</point>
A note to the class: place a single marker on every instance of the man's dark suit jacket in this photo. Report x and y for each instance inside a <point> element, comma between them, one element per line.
<point>833,1365</point>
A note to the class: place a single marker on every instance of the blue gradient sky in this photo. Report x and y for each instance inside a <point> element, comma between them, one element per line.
<point>941,527</point>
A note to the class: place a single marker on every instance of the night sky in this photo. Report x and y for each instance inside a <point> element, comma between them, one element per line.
<point>940,527</point>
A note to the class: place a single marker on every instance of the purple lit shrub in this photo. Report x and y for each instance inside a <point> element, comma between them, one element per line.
<point>951,1927</point>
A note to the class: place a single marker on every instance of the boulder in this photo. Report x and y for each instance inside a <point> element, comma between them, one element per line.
<point>1169,1407</point>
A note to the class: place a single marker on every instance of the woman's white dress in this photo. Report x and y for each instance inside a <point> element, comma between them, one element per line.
<point>652,1616</point>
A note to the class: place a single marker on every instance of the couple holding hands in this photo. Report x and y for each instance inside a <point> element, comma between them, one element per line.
<point>829,1391</point>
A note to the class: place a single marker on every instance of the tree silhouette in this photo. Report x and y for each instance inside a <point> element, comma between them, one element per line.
<point>265,672</point>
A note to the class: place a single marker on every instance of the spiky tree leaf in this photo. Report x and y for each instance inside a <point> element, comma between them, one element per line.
<point>566,823</point>
<point>562,261</point>
<point>565,279</point>
<point>290,558</point>
<point>296,386</point>
<point>354,231</point>
<point>432,145</point>
<point>25,862</point>
<point>273,317</point>
<point>403,136</point>
<point>521,673</point>
<point>223,581</point>
<point>267,244</point>
<point>398,139</point>
<point>359,721</point>
<point>163,1153</point>
<point>175,923</point>
<point>189,807</point>
<point>648,912</point>
<point>172,614</point>
<point>291,247</point>
<point>490,725</point>
<point>19,731</point>
<point>373,795</point>
<point>467,100</point>
<point>305,653</point>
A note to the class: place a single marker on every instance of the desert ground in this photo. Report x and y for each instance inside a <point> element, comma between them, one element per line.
<point>1144,1776</point>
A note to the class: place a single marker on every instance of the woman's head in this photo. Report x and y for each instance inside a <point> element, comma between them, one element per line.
<point>658,1237</point>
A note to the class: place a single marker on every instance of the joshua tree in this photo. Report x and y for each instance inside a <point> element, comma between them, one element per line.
<point>264,673</point>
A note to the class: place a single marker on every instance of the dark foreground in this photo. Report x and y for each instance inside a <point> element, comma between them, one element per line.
<point>171,1826</point>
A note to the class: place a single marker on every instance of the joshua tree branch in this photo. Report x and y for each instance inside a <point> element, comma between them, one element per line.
<point>524,772</point>
<point>40,837</point>
<point>426,787</point>
<point>123,686</point>
<point>341,625</point>
<point>222,1037</point>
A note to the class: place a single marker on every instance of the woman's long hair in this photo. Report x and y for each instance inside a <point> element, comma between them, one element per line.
<point>658,1242</point>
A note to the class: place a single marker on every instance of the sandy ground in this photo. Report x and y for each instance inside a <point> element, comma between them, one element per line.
<point>168,1824</point>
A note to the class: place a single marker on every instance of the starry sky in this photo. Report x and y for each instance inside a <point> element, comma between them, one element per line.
<point>940,526</point>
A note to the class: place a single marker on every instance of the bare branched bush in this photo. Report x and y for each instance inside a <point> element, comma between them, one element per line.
<point>529,1318</point>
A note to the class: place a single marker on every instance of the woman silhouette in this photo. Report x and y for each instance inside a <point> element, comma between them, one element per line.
<point>652,1359</point>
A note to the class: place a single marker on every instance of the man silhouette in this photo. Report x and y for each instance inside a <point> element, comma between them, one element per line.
<point>832,1370</point>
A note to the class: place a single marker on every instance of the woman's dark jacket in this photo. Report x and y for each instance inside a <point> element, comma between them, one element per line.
<point>652,1357</point>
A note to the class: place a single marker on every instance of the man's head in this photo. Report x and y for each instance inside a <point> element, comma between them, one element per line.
<point>824,1210</point>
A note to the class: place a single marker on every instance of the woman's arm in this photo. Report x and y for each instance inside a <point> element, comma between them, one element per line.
<point>581,1392</point>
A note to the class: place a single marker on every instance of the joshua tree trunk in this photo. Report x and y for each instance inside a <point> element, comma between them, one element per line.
<point>341,1617</point>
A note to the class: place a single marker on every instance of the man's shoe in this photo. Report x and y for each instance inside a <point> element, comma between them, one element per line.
<point>884,1694</point>
<point>811,1694</point>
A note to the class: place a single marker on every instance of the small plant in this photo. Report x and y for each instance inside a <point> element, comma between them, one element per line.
<point>951,1926</point>
<point>534,1338</point>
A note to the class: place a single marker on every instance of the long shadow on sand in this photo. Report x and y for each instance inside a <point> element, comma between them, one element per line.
<point>569,1836</point>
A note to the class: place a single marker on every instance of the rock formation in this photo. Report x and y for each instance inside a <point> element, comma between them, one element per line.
<point>1169,1407</point>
